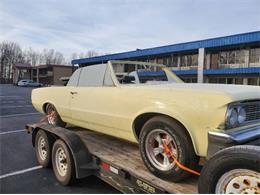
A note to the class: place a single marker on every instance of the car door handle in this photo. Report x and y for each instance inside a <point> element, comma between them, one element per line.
<point>73,92</point>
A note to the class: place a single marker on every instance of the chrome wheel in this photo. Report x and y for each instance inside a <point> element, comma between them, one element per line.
<point>50,115</point>
<point>155,150</point>
<point>61,161</point>
<point>239,181</point>
<point>42,148</point>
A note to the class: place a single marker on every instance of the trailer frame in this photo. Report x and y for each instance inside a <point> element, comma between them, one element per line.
<point>118,170</point>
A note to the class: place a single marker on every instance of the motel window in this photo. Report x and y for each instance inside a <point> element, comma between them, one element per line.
<point>183,60</point>
<point>169,62</point>
<point>223,58</point>
<point>213,80</point>
<point>236,80</point>
<point>165,60</point>
<point>189,80</point>
<point>160,60</point>
<point>214,61</point>
<point>189,60</point>
<point>194,60</point>
<point>151,60</point>
<point>229,80</point>
<point>252,81</point>
<point>222,80</point>
<point>174,61</point>
<point>232,57</point>
<point>239,81</point>
<point>240,56</point>
<point>254,55</point>
<point>194,80</point>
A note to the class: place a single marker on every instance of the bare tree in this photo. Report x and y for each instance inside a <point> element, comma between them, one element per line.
<point>58,58</point>
<point>91,53</point>
<point>50,56</point>
<point>10,54</point>
<point>31,57</point>
<point>88,54</point>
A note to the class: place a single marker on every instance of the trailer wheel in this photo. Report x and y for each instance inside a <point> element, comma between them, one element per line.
<point>154,133</point>
<point>53,117</point>
<point>235,170</point>
<point>62,162</point>
<point>43,148</point>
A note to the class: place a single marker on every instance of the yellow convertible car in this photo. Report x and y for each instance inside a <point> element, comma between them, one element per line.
<point>148,104</point>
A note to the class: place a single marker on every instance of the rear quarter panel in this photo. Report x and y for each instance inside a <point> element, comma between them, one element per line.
<point>58,96</point>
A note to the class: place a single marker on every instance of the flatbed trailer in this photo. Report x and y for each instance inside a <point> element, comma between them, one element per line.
<point>115,161</point>
<point>118,163</point>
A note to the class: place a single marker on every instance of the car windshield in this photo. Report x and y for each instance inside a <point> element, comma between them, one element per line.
<point>143,73</point>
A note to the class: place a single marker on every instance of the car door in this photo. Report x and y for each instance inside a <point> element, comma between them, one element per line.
<point>69,91</point>
<point>27,83</point>
<point>31,84</point>
<point>91,102</point>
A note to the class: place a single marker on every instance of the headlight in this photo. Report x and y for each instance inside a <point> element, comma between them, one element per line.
<point>241,115</point>
<point>232,118</point>
<point>236,115</point>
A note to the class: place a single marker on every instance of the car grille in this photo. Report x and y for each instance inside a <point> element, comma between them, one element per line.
<point>252,110</point>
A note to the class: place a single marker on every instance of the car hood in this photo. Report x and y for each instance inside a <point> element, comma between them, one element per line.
<point>235,92</point>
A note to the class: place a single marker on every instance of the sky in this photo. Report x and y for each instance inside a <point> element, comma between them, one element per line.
<point>109,26</point>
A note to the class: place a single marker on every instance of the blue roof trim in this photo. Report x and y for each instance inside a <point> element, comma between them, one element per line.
<point>185,72</point>
<point>148,73</point>
<point>207,43</point>
<point>251,70</point>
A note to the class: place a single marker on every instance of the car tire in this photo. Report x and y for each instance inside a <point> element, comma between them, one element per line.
<point>62,162</point>
<point>232,170</point>
<point>43,145</point>
<point>54,119</point>
<point>165,128</point>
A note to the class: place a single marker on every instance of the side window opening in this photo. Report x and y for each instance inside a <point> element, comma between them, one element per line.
<point>92,75</point>
<point>73,81</point>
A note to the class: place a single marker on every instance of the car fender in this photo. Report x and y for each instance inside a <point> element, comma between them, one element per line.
<point>170,113</point>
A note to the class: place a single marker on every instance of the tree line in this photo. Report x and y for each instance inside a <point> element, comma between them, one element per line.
<point>11,53</point>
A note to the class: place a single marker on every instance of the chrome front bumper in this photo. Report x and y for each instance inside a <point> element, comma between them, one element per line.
<point>220,140</point>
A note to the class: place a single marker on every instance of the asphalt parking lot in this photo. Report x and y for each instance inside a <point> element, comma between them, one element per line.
<point>19,170</point>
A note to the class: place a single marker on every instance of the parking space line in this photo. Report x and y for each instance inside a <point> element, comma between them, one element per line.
<point>29,105</point>
<point>3,96</point>
<point>12,115</point>
<point>20,172</point>
<point>14,131</point>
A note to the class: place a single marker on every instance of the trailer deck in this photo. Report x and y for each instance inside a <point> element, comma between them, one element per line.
<point>121,166</point>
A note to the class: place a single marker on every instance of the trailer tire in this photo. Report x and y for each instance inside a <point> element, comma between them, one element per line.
<point>166,128</point>
<point>62,162</point>
<point>43,144</point>
<point>54,119</point>
<point>232,170</point>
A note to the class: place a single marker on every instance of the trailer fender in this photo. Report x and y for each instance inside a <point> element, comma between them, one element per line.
<point>85,164</point>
